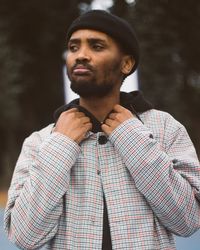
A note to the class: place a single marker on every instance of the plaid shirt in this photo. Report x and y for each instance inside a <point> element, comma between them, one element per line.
<point>148,172</point>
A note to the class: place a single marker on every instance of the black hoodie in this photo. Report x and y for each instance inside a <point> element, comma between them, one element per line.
<point>133,101</point>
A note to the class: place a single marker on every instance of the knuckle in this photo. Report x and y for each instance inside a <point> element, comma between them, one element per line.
<point>87,119</point>
<point>118,116</point>
<point>62,114</point>
<point>79,114</point>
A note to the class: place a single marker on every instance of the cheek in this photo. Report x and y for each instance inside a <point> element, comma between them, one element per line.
<point>69,65</point>
<point>69,61</point>
<point>112,69</point>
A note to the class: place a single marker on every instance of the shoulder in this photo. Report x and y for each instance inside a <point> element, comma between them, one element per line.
<point>164,126</point>
<point>39,136</point>
<point>160,118</point>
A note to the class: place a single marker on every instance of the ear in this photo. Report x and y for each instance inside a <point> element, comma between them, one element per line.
<point>127,64</point>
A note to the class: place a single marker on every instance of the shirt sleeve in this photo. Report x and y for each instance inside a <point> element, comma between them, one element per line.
<point>40,180</point>
<point>167,175</point>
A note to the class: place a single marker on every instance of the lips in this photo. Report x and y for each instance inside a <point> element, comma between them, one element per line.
<point>81,70</point>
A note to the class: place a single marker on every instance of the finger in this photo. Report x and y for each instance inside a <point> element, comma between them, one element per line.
<point>69,111</point>
<point>106,129</point>
<point>80,114</point>
<point>72,110</point>
<point>122,113</point>
<point>85,119</point>
<point>110,122</point>
<point>118,108</point>
<point>88,126</point>
<point>112,115</point>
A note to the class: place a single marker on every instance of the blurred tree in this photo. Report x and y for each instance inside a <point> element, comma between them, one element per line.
<point>169,71</point>
<point>32,41</point>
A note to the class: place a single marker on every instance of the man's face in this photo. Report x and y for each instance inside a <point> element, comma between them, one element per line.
<point>93,63</point>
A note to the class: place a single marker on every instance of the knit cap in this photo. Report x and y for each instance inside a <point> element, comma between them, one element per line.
<point>117,28</point>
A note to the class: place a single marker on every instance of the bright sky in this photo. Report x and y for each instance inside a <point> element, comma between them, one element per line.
<point>105,4</point>
<point>101,4</point>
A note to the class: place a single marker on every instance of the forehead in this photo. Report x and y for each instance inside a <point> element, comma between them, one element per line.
<point>90,34</point>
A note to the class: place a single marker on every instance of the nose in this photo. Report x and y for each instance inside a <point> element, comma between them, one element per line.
<point>83,54</point>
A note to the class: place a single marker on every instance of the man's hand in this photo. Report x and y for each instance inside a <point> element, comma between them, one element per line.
<point>73,124</point>
<point>119,115</point>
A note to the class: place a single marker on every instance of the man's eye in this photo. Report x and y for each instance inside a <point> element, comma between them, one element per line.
<point>73,48</point>
<point>98,47</point>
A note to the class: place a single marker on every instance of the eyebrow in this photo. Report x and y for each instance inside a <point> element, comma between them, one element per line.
<point>74,40</point>
<point>90,40</point>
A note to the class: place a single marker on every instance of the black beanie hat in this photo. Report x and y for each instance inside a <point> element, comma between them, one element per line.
<point>114,26</point>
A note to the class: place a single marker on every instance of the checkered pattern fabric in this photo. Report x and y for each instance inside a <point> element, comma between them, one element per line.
<point>149,173</point>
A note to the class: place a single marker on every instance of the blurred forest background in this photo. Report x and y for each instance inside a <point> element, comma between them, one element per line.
<point>32,42</point>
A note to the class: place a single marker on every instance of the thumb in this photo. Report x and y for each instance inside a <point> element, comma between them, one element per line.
<point>106,129</point>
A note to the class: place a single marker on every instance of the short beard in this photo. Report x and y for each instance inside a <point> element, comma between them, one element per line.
<point>91,87</point>
<point>88,89</point>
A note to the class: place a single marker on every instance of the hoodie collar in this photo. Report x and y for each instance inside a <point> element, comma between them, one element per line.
<point>133,101</point>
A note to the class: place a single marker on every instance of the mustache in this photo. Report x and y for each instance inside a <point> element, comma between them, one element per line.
<point>83,64</point>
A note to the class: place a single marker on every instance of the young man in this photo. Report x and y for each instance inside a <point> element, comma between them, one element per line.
<point>112,172</point>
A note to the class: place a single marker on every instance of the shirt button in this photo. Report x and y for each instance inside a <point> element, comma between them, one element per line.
<point>102,139</point>
<point>98,172</point>
<point>151,136</point>
<point>174,161</point>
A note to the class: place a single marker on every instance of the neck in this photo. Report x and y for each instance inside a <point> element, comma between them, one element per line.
<point>100,107</point>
